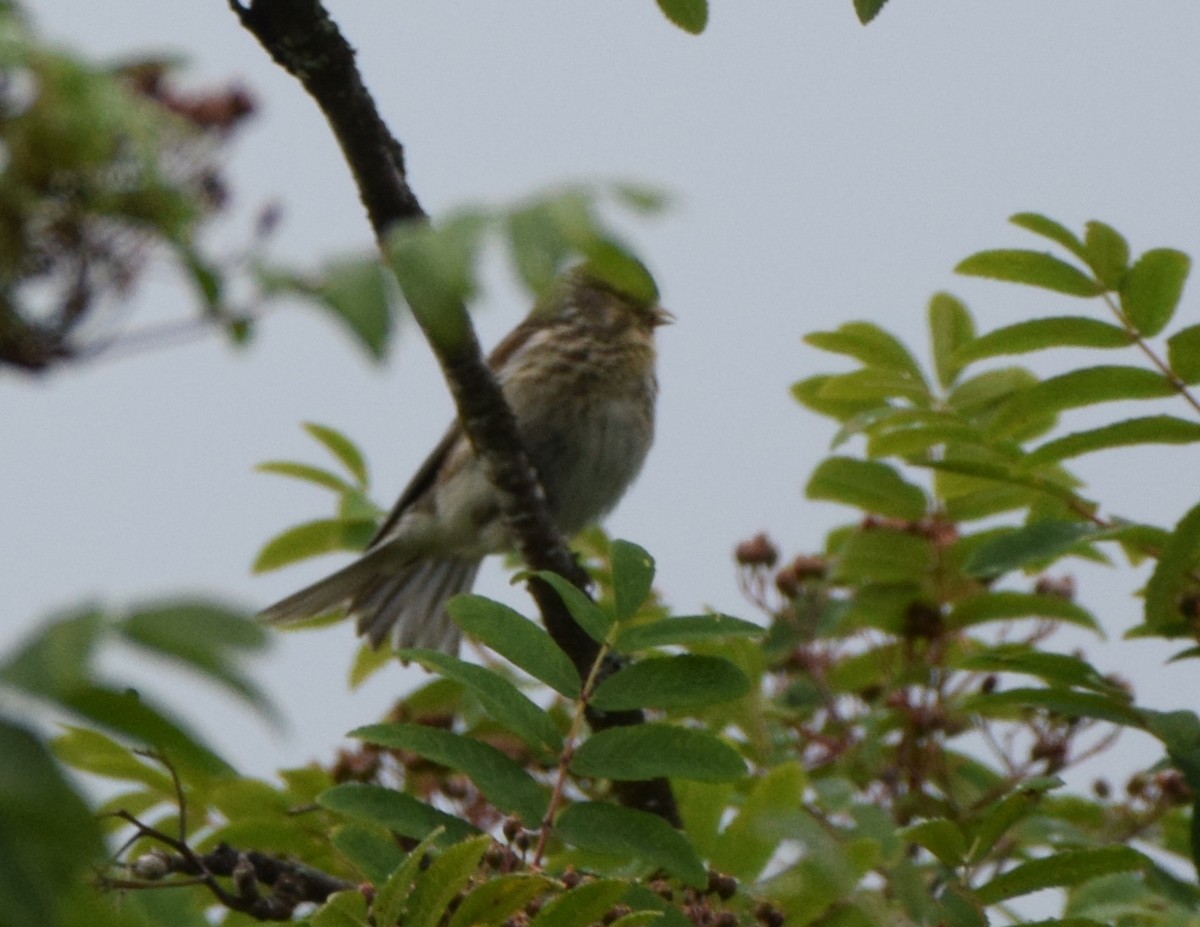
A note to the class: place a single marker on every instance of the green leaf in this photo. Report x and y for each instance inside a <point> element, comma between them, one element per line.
<point>1081,388</point>
<point>205,637</point>
<point>1048,228</point>
<point>587,614</point>
<point>445,878</point>
<point>1040,334</point>
<point>374,804</point>
<point>632,575</point>
<point>1058,669</point>
<point>870,344</point>
<point>682,681</point>
<point>586,904</point>
<point>941,837</point>
<point>982,394</point>
<point>496,900</point>
<point>810,393</point>
<point>1033,268</point>
<point>1107,253</point>
<point>58,656</point>
<point>518,640</point>
<point>391,895</point>
<point>503,701</point>
<point>372,849</point>
<point>998,817</point>
<point>874,384</point>
<point>624,832</point>
<point>750,841</point>
<point>1153,429</point>
<point>92,752</point>
<point>1005,606</point>
<point>1069,867</point>
<point>343,449</point>
<point>867,10</point>
<point>48,836</point>
<point>689,15</point>
<point>1034,543</point>
<point>503,782</point>
<point>312,539</point>
<point>306,472</point>
<point>1151,290</point>
<point>435,267</point>
<point>1180,733</point>
<point>653,750</point>
<point>684,630</point>
<point>1112,708</point>
<point>342,909</point>
<point>1183,353</point>
<point>868,485</point>
<point>951,330</point>
<point>883,555</point>
<point>358,291</point>
<point>1173,574</point>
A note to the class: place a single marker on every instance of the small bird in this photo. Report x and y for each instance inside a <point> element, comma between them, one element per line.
<point>579,375</point>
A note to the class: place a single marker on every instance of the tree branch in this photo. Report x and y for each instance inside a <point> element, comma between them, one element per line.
<point>302,38</point>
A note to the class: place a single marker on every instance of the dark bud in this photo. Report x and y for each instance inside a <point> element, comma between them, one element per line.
<point>721,885</point>
<point>571,878</point>
<point>356,765</point>
<point>615,912</point>
<point>1174,787</point>
<point>787,583</point>
<point>806,567</point>
<point>1136,786</point>
<point>989,684</point>
<point>1101,789</point>
<point>768,915</point>
<point>1061,587</point>
<point>511,828</point>
<point>922,621</point>
<point>756,552</point>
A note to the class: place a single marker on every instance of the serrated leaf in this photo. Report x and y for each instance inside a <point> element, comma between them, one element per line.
<point>951,329</point>
<point>689,15</point>
<point>518,640</point>
<point>503,701</point>
<point>1041,334</point>
<point>682,681</point>
<point>586,904</point>
<point>1154,429</point>
<point>1069,867</point>
<point>941,837</point>
<point>1034,543</point>
<point>312,539</point>
<point>632,576</point>
<point>870,344</point>
<point>684,630</point>
<point>1107,253</point>
<point>1049,228</point>
<point>1173,574</point>
<point>653,750</point>
<point>502,781</point>
<point>374,804</point>
<point>1151,290</point>
<point>392,894</point>
<point>1078,388</point>
<point>624,832</point>
<point>446,876</point>
<point>1032,268</point>
<point>868,485</point>
<point>587,614</point>
<point>343,449</point>
<point>496,900</point>
<point>1183,353</point>
<point>1005,606</point>
<point>306,472</point>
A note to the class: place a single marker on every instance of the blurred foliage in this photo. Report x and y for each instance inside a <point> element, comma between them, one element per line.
<point>103,168</point>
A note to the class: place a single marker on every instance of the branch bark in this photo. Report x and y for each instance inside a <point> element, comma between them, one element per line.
<point>301,37</point>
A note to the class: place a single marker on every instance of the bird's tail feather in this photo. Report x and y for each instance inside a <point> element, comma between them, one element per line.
<point>381,596</point>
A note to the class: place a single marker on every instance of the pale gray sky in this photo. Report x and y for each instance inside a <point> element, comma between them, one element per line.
<point>822,172</point>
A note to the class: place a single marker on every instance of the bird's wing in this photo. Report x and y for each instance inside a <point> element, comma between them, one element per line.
<point>421,482</point>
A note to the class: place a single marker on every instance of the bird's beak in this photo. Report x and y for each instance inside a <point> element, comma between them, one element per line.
<point>662,317</point>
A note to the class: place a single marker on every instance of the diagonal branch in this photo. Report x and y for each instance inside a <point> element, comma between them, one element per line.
<point>302,38</point>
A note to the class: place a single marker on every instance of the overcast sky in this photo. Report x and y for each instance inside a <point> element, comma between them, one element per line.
<point>821,171</point>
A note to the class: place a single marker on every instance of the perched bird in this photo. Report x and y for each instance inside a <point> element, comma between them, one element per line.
<point>579,374</point>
